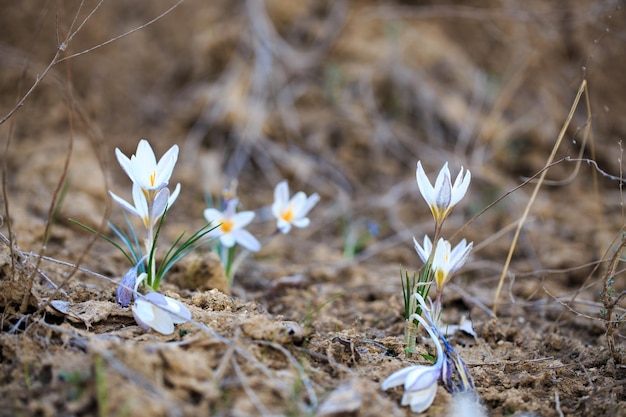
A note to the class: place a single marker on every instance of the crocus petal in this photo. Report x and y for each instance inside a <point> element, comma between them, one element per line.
<point>281,193</point>
<point>461,184</point>
<point>146,156</point>
<point>149,316</point>
<point>213,215</point>
<point>228,240</point>
<point>398,377</point>
<point>231,207</point>
<point>144,166</point>
<point>303,222</point>
<point>247,240</point>
<point>126,205</point>
<point>420,400</point>
<point>310,203</point>
<point>424,185</point>
<point>422,378</point>
<point>173,196</point>
<point>160,204</point>
<point>297,203</point>
<point>178,312</point>
<point>166,164</point>
<point>141,204</point>
<point>125,163</point>
<point>124,291</point>
<point>242,219</point>
<point>283,226</point>
<point>423,252</point>
<point>443,190</point>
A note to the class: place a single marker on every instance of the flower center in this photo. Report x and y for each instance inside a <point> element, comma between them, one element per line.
<point>227,225</point>
<point>440,278</point>
<point>288,214</point>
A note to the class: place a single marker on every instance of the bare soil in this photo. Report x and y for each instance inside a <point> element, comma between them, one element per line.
<point>341,98</point>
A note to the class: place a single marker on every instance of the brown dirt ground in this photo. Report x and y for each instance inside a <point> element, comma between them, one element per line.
<point>342,98</point>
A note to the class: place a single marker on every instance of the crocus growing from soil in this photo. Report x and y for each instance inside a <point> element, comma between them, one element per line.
<point>444,195</point>
<point>420,381</point>
<point>291,212</point>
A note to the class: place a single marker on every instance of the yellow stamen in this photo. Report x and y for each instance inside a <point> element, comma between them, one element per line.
<point>227,225</point>
<point>440,278</point>
<point>288,214</point>
<point>152,178</point>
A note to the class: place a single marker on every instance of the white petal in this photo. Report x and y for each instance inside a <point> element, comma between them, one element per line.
<point>459,255</point>
<point>146,156</point>
<point>398,377</point>
<point>460,186</point>
<point>310,203</point>
<point>420,400</point>
<point>125,163</point>
<point>160,203</point>
<point>228,240</point>
<point>283,226</point>
<point>141,204</point>
<point>426,189</point>
<point>247,240</point>
<point>213,216</point>
<point>144,165</point>
<point>443,188</point>
<point>301,222</point>
<point>423,252</point>
<point>297,204</point>
<point>126,205</point>
<point>178,312</point>
<point>242,219</point>
<point>166,164</point>
<point>148,314</point>
<point>143,313</point>
<point>281,193</point>
<point>422,378</point>
<point>173,196</point>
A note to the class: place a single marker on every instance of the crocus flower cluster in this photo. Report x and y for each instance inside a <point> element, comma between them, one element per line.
<point>151,199</point>
<point>420,381</point>
<point>151,195</point>
<point>442,260</point>
<point>231,224</point>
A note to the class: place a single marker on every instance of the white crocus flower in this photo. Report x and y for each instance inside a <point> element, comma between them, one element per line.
<point>159,312</point>
<point>292,212</point>
<point>148,211</point>
<point>143,169</point>
<point>446,261</point>
<point>444,195</point>
<point>231,226</point>
<point>420,381</point>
